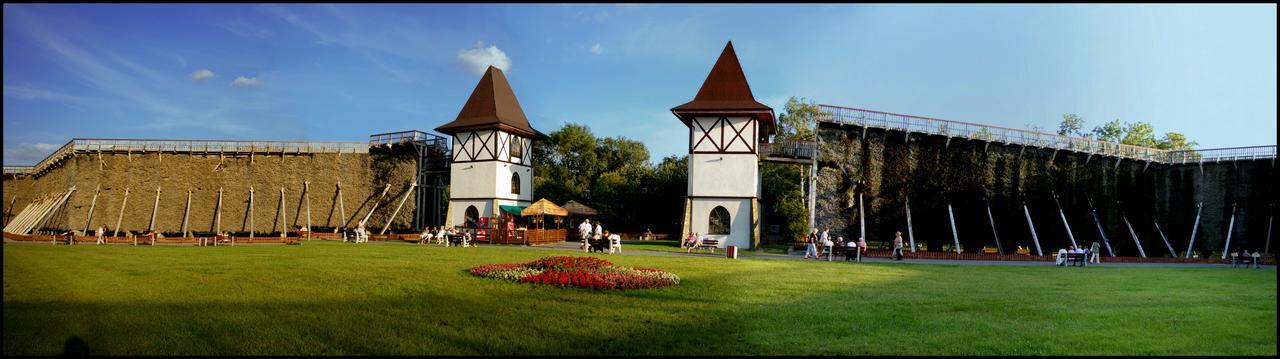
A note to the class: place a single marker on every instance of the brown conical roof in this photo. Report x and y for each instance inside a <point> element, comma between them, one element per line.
<point>492,105</point>
<point>725,91</point>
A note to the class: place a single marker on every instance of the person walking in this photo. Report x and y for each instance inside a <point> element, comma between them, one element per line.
<point>1093,253</point>
<point>897,245</point>
<point>862,248</point>
<point>810,248</point>
<point>100,232</point>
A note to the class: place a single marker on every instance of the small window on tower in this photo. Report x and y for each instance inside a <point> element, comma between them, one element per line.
<point>515,183</point>
<point>517,147</point>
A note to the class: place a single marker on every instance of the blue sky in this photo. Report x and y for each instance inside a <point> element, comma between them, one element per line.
<point>343,72</point>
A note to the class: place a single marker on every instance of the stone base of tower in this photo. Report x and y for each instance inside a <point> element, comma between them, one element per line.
<point>742,220</point>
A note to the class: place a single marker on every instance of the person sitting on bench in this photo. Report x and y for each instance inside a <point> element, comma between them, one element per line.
<point>692,242</point>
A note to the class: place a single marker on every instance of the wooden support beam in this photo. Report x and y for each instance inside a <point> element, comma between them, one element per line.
<point>88,218</point>
<point>186,215</point>
<point>306,195</point>
<point>408,193</point>
<point>217,215</point>
<point>154,208</point>
<point>120,219</point>
<point>1133,234</point>
<point>1064,221</point>
<point>250,210</point>
<point>1031,225</point>
<point>1168,245</point>
<point>954,236</point>
<point>342,209</point>
<point>51,210</point>
<point>375,205</point>
<point>1192,242</point>
<point>1101,233</point>
<point>9,210</point>
<point>910,233</point>
<point>862,219</point>
<point>996,237</point>
<point>1231,226</point>
<point>284,231</point>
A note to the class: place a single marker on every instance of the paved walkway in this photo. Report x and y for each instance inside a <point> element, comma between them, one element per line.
<point>575,246</point>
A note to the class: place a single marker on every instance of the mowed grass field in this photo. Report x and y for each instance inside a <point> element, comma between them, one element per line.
<point>337,298</point>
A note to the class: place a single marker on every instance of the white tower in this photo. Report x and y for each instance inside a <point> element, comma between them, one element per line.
<point>492,164</point>
<point>726,126</point>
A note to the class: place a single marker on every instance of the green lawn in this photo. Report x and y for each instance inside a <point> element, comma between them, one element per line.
<point>339,298</point>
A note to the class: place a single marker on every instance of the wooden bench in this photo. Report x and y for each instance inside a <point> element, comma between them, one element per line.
<point>987,250</point>
<point>708,244</point>
<point>1246,260</point>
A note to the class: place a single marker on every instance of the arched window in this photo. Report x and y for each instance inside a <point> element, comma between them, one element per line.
<point>719,221</point>
<point>515,183</point>
<point>472,216</point>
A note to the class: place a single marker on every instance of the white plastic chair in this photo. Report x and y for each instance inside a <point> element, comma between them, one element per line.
<point>615,243</point>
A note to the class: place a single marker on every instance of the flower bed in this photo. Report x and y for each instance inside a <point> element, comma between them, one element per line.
<point>586,272</point>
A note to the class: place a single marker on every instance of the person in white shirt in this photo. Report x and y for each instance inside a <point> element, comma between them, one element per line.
<point>1062,257</point>
<point>584,232</point>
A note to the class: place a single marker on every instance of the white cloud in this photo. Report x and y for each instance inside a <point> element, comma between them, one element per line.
<point>201,75</point>
<point>28,153</point>
<point>242,81</point>
<point>26,92</point>
<point>479,58</point>
<point>597,49</point>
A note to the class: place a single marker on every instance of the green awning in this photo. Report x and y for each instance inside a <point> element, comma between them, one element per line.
<point>515,210</point>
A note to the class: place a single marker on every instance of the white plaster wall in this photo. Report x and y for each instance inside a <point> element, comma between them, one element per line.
<point>458,210</point>
<point>502,181</point>
<point>730,175</point>
<point>476,179</point>
<point>739,220</point>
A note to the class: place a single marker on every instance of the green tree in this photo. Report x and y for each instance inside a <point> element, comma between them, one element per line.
<point>1071,125</point>
<point>1175,142</point>
<point>1111,131</point>
<point>797,119</point>
<point>1139,134</point>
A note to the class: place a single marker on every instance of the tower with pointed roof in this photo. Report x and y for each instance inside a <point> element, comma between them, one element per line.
<point>726,125</point>
<point>492,164</point>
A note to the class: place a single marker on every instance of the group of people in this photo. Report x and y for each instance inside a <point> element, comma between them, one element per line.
<point>595,238</point>
<point>854,250</point>
<point>440,235</point>
<point>1091,254</point>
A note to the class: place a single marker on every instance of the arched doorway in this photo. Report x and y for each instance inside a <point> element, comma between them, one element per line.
<point>472,216</point>
<point>718,221</point>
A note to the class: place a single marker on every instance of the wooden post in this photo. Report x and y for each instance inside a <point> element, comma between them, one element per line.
<point>995,236</point>
<point>1191,243</point>
<point>910,234</point>
<point>217,217</point>
<point>1031,225</point>
<point>375,204</point>
<point>251,207</point>
<point>1101,233</point>
<point>116,232</point>
<point>1271,216</point>
<point>342,209</point>
<point>1133,234</point>
<point>155,207</point>
<point>954,235</point>
<point>88,222</point>
<point>862,219</point>
<point>284,232</point>
<point>1064,222</point>
<point>1166,239</point>
<point>1230,229</point>
<point>306,194</point>
<point>186,215</point>
<point>398,206</point>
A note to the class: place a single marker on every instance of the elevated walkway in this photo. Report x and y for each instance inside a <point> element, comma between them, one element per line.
<point>1003,135</point>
